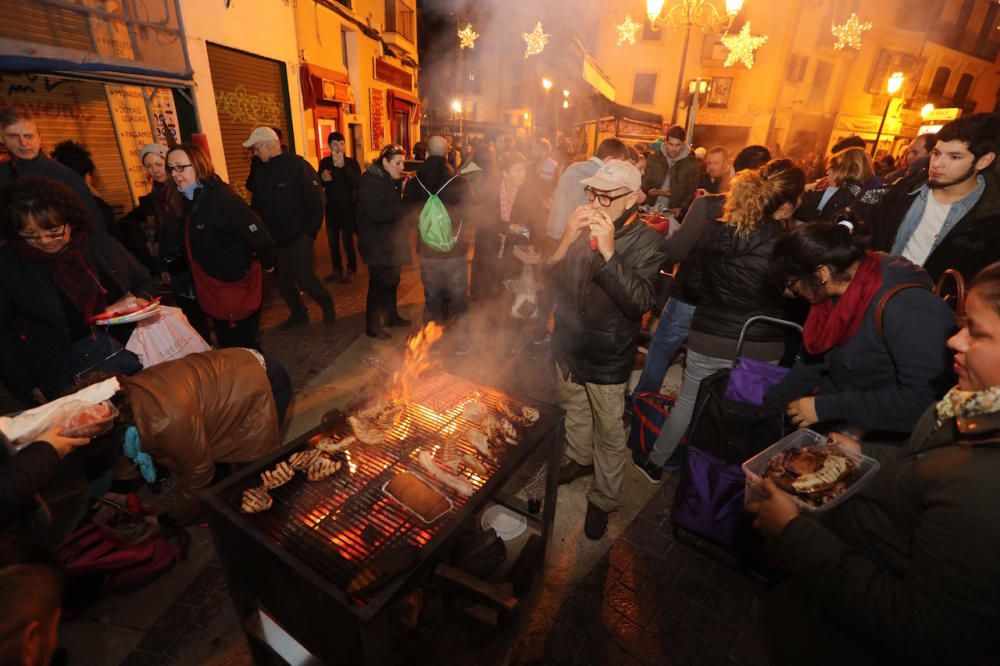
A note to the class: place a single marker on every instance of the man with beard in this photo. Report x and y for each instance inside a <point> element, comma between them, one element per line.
<point>606,261</point>
<point>672,173</point>
<point>952,219</point>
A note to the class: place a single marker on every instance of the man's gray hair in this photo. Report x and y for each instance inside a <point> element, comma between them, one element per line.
<point>11,116</point>
<point>437,145</point>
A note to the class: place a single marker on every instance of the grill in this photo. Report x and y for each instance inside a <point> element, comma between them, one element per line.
<point>294,562</point>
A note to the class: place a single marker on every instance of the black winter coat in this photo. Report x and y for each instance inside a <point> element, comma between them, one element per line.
<point>875,384</point>
<point>34,330</point>
<point>225,233</point>
<point>383,236</point>
<point>433,174</point>
<point>600,305</point>
<point>731,276</point>
<point>288,198</point>
<point>342,188</point>
<point>970,246</point>
<point>908,570</point>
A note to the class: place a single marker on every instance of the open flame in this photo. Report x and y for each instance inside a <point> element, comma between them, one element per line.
<point>416,361</point>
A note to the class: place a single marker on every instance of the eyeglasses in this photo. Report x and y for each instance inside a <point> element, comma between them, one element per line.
<point>53,234</point>
<point>604,199</point>
<point>177,168</point>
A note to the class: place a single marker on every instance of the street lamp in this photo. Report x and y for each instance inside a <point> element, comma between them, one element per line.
<point>702,14</point>
<point>547,84</point>
<point>892,86</point>
<point>696,88</point>
<point>926,110</point>
<point>456,106</point>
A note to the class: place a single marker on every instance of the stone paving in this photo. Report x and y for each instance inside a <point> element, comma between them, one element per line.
<point>647,600</point>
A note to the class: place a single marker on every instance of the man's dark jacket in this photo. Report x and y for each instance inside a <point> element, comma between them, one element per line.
<point>289,198</point>
<point>34,331</point>
<point>342,188</point>
<point>600,305</point>
<point>434,173</point>
<point>906,571</point>
<point>383,236</point>
<point>43,165</point>
<point>970,246</point>
<point>225,233</point>
<point>881,384</point>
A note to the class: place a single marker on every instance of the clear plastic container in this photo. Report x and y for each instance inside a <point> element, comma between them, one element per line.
<point>755,467</point>
<point>80,421</point>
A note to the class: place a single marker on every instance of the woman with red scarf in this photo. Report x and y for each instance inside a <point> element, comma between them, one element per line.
<point>54,274</point>
<point>849,373</point>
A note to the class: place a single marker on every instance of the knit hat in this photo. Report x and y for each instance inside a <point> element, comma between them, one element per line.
<point>155,148</point>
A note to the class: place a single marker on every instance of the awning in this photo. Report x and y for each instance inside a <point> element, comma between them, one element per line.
<point>320,84</point>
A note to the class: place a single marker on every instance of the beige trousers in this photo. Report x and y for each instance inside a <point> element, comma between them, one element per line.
<point>595,434</point>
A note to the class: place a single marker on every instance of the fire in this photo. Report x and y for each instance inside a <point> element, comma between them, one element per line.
<point>416,361</point>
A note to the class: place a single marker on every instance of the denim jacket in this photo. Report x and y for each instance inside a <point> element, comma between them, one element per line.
<point>916,213</point>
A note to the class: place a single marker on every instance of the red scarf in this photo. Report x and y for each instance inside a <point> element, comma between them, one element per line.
<point>71,271</point>
<point>831,324</point>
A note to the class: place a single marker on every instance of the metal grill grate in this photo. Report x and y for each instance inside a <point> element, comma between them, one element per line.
<point>340,523</point>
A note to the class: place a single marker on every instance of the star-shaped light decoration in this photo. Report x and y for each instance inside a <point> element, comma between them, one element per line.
<point>535,41</point>
<point>742,46</point>
<point>467,37</point>
<point>627,30</point>
<point>849,34</point>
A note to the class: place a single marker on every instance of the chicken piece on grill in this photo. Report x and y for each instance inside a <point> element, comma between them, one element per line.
<point>322,467</point>
<point>501,431</point>
<point>366,431</point>
<point>473,463</point>
<point>302,459</point>
<point>329,445</point>
<point>474,411</point>
<point>481,443</point>
<point>279,476</point>
<point>256,500</point>
<point>523,417</point>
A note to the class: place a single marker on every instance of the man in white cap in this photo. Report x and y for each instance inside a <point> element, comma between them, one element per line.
<point>287,194</point>
<point>606,264</point>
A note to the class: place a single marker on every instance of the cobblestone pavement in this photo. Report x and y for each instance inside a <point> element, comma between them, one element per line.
<point>648,600</point>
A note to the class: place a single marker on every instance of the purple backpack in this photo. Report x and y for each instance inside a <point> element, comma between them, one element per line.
<point>709,499</point>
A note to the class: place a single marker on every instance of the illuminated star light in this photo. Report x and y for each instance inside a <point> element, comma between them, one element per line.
<point>849,34</point>
<point>742,46</point>
<point>535,41</point>
<point>627,30</point>
<point>467,37</point>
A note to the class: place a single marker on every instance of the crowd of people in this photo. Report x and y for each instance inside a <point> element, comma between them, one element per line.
<point>904,570</point>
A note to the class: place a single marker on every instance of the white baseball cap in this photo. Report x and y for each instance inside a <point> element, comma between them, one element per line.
<point>260,135</point>
<point>613,175</point>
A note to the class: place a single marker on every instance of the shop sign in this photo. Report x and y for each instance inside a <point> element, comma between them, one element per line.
<point>377,107</point>
<point>389,73</point>
<point>133,129</point>
<point>949,113</point>
<point>165,127</point>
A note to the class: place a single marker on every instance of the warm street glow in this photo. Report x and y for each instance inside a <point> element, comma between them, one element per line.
<point>742,46</point>
<point>653,9</point>
<point>926,110</point>
<point>565,93</point>
<point>565,103</point>
<point>547,84</point>
<point>535,41</point>
<point>849,34</point>
<point>467,37</point>
<point>733,7</point>
<point>895,83</point>
<point>628,30</point>
<point>456,106</point>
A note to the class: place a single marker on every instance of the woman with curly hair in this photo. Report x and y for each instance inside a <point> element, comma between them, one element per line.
<point>731,274</point>
<point>55,274</point>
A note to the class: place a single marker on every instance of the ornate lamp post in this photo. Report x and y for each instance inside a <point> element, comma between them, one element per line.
<point>892,86</point>
<point>686,14</point>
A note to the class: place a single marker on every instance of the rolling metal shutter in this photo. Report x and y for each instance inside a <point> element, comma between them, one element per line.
<point>77,110</point>
<point>250,91</point>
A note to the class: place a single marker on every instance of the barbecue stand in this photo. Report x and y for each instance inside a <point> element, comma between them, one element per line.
<point>290,565</point>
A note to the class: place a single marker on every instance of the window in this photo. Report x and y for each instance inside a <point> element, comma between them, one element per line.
<point>644,89</point>
<point>797,68</point>
<point>343,50</point>
<point>648,33</point>
<point>962,89</point>
<point>821,81</point>
<point>399,18</point>
<point>346,3</point>
<point>940,82</point>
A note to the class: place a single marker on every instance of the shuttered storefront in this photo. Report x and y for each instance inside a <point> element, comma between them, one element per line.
<point>250,91</point>
<point>77,110</point>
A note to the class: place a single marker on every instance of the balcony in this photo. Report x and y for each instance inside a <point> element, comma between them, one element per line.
<point>401,25</point>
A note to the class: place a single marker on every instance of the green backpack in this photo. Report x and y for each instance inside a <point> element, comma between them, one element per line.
<point>435,223</point>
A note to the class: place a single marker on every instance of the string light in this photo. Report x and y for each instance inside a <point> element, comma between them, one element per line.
<point>849,34</point>
<point>742,46</point>
<point>535,41</point>
<point>467,37</point>
<point>627,31</point>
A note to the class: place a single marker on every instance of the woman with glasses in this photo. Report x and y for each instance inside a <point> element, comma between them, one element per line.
<point>55,273</point>
<point>383,239</point>
<point>510,214</point>
<point>880,382</point>
<point>732,278</point>
<point>159,217</point>
<point>225,246</point>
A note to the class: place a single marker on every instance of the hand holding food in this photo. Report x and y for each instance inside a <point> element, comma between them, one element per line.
<point>774,511</point>
<point>61,443</point>
<point>802,412</point>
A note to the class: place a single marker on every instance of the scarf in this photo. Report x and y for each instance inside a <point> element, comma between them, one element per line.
<point>71,271</point>
<point>959,403</point>
<point>188,191</point>
<point>132,448</point>
<point>832,324</point>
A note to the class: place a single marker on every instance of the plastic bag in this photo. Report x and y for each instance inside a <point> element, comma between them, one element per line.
<point>86,420</point>
<point>525,295</point>
<point>165,337</point>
